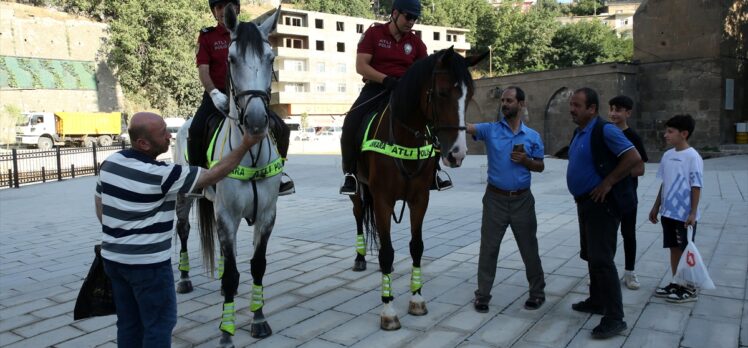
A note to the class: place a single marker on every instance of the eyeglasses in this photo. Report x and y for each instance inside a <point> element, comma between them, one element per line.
<point>411,17</point>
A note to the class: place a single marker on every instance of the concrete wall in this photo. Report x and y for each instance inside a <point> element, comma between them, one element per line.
<point>547,96</point>
<point>27,31</point>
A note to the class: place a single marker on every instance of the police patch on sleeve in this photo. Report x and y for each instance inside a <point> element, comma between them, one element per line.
<point>408,48</point>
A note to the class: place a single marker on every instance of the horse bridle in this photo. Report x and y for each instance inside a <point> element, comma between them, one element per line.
<point>436,127</point>
<point>251,93</point>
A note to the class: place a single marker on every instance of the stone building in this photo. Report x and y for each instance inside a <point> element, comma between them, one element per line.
<point>689,57</point>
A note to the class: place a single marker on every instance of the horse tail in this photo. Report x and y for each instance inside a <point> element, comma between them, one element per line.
<point>370,224</point>
<point>205,222</point>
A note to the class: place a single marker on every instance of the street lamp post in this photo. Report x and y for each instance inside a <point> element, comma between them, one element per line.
<point>490,61</point>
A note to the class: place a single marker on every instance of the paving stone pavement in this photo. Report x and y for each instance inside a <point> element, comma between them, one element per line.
<point>313,299</point>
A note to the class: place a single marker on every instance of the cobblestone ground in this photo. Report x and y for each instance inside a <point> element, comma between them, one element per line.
<point>313,299</point>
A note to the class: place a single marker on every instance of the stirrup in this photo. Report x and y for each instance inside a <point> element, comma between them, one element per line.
<point>348,192</point>
<point>286,188</point>
<point>447,183</point>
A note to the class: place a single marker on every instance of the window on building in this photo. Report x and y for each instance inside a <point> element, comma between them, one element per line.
<point>294,87</point>
<point>451,37</point>
<point>341,68</point>
<point>359,28</point>
<point>320,45</point>
<point>319,24</point>
<point>341,87</point>
<point>321,67</point>
<point>293,43</point>
<point>341,46</point>
<point>436,36</point>
<point>293,21</point>
<point>339,26</point>
<point>319,88</point>
<point>418,33</point>
<point>293,65</point>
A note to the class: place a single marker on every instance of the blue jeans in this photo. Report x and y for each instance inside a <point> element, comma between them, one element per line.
<point>146,304</point>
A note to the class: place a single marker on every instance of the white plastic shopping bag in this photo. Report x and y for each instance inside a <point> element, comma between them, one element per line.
<point>691,268</point>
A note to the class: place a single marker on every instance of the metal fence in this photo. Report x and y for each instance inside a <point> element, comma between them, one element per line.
<point>20,167</point>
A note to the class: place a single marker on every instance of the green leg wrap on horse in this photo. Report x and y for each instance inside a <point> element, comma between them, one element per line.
<point>415,280</point>
<point>184,262</point>
<point>360,245</point>
<point>386,285</point>
<point>220,267</point>
<point>228,319</point>
<point>257,298</point>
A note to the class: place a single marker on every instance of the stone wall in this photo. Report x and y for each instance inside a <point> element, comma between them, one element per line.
<point>27,31</point>
<point>547,96</point>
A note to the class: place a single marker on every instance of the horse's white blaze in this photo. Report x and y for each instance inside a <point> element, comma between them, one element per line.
<point>459,148</point>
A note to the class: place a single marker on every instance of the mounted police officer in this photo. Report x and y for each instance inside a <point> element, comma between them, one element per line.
<point>384,53</point>
<point>212,65</point>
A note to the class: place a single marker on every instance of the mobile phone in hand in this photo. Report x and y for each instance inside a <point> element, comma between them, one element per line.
<point>518,148</point>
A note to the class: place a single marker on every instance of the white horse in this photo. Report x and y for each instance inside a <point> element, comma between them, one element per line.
<point>251,191</point>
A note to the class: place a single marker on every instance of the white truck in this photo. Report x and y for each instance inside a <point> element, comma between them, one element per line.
<point>46,129</point>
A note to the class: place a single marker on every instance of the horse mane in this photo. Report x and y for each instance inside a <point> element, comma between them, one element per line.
<point>404,102</point>
<point>248,35</point>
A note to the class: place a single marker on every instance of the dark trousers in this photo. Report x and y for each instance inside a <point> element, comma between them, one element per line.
<point>628,232</point>
<point>146,304</point>
<point>198,138</point>
<point>500,212</point>
<point>197,143</point>
<point>366,103</point>
<point>598,231</point>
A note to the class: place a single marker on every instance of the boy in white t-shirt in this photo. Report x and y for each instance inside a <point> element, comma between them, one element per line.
<point>681,170</point>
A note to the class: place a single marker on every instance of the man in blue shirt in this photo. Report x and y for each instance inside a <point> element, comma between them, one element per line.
<point>598,211</point>
<point>514,150</point>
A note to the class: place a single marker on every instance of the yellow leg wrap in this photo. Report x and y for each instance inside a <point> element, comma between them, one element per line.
<point>220,267</point>
<point>415,279</point>
<point>257,299</point>
<point>386,285</point>
<point>360,245</point>
<point>184,262</point>
<point>228,319</point>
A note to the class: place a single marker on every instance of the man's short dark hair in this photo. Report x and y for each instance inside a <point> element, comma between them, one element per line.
<point>622,101</point>
<point>682,123</point>
<point>518,93</point>
<point>590,97</point>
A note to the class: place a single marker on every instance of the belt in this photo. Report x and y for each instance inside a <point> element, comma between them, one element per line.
<point>497,190</point>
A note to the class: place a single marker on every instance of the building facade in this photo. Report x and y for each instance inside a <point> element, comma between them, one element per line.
<point>316,62</point>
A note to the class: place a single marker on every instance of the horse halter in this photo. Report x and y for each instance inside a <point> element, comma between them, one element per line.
<point>434,116</point>
<point>251,93</point>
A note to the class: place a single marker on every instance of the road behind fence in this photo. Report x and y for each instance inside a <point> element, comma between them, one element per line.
<point>25,166</point>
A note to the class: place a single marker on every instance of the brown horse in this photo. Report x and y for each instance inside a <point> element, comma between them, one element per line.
<point>427,108</point>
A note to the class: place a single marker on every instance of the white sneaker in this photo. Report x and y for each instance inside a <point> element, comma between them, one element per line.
<point>630,280</point>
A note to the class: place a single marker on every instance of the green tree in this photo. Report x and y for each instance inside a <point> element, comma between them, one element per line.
<point>586,7</point>
<point>520,41</point>
<point>353,8</point>
<point>588,42</point>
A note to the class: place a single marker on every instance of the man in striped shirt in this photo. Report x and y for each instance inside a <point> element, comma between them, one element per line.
<point>135,202</point>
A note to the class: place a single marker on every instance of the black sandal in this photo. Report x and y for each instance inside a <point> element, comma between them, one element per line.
<point>534,303</point>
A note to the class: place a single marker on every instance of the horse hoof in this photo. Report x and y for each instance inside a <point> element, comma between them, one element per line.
<point>184,287</point>
<point>260,330</point>
<point>389,324</point>
<point>359,265</point>
<point>417,308</point>
<point>226,341</point>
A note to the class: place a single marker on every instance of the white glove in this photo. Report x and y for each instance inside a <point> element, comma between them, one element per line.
<point>220,100</point>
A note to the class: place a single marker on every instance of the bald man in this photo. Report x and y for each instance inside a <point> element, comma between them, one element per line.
<point>135,200</point>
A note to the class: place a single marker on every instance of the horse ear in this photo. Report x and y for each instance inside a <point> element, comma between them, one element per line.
<point>472,60</point>
<point>229,18</point>
<point>270,23</point>
<point>447,55</point>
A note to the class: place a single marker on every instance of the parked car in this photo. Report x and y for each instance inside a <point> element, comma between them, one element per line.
<point>329,132</point>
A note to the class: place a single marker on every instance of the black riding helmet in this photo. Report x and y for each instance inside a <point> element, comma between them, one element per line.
<point>412,7</point>
<point>213,3</point>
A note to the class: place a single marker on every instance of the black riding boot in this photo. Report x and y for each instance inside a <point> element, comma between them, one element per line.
<point>440,184</point>
<point>282,133</point>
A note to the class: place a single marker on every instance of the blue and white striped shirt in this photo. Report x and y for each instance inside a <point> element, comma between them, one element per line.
<point>138,196</point>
